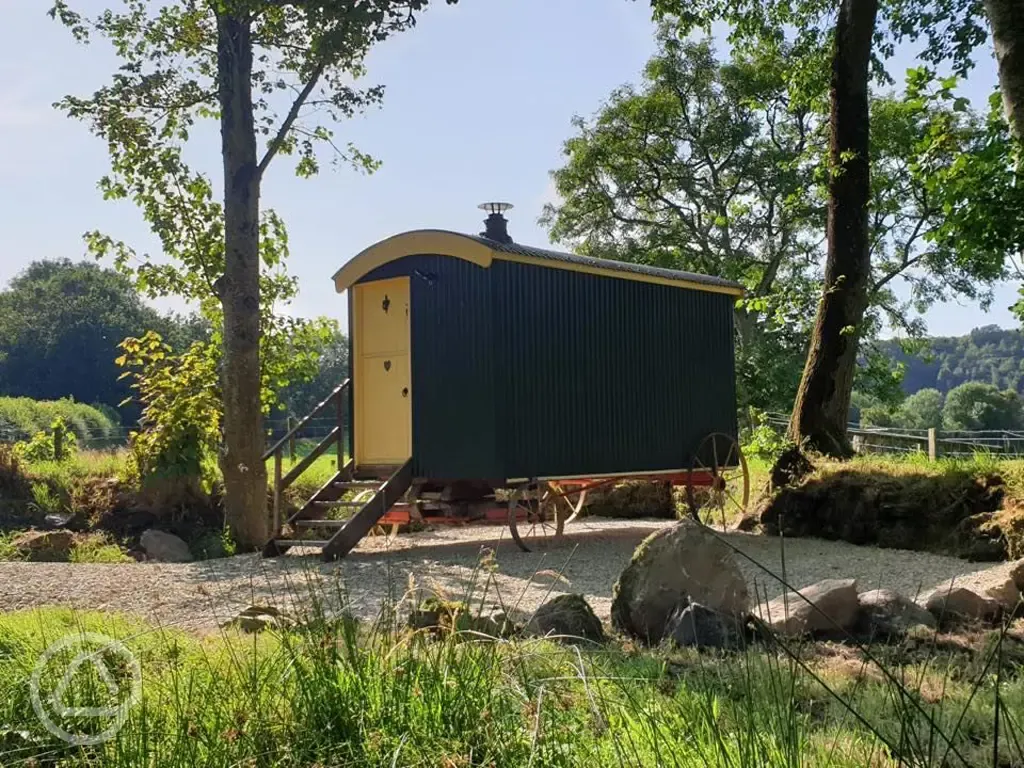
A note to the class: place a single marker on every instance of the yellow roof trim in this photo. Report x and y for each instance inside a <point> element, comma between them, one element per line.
<point>459,246</point>
<point>618,274</point>
<point>433,242</point>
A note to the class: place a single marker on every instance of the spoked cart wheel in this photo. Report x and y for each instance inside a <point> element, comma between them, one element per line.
<point>536,516</point>
<point>718,483</point>
<point>573,497</point>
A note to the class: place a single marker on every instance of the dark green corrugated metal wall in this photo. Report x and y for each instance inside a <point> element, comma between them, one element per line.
<point>525,371</point>
<point>602,375</point>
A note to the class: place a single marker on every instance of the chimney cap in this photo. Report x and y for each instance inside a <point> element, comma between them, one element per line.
<point>495,208</point>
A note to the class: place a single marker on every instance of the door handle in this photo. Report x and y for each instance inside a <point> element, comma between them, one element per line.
<point>405,391</point>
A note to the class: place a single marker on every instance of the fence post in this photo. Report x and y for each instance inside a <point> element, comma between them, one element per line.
<point>277,492</point>
<point>291,438</point>
<point>933,445</point>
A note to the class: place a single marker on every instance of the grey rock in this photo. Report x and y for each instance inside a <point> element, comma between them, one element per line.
<point>45,546</point>
<point>828,608</point>
<point>568,617</point>
<point>698,626</point>
<point>886,613</point>
<point>678,565</point>
<point>258,618</point>
<point>495,623</point>
<point>1016,570</point>
<point>69,520</point>
<point>951,603</point>
<point>1005,591</point>
<point>165,547</point>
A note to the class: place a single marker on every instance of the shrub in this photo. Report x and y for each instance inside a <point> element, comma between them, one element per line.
<point>24,417</point>
<point>213,545</point>
<point>59,444</point>
<point>764,442</point>
<point>180,412</point>
<point>13,483</point>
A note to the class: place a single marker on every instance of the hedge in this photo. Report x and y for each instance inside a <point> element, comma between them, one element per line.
<point>22,417</point>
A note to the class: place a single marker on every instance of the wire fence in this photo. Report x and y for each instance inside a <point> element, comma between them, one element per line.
<point>115,438</point>
<point>1005,443</point>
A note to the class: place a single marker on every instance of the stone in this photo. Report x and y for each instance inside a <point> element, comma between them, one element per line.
<point>69,520</point>
<point>424,618</point>
<point>673,567</point>
<point>1005,591</point>
<point>258,618</point>
<point>748,523</point>
<point>567,617</point>
<point>886,613</point>
<point>700,627</point>
<point>45,546</point>
<point>952,603</point>
<point>495,623</point>
<point>165,547</point>
<point>441,617</point>
<point>828,607</point>
<point>1016,571</point>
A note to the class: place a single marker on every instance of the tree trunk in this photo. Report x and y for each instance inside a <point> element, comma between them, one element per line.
<point>823,399</point>
<point>245,476</point>
<point>1007,20</point>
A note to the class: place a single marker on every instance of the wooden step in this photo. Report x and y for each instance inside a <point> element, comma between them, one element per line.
<point>307,523</point>
<point>366,518</point>
<point>353,504</point>
<point>379,472</point>
<point>374,484</point>
<point>313,543</point>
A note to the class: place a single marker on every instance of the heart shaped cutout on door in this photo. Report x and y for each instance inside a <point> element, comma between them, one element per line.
<point>387,365</point>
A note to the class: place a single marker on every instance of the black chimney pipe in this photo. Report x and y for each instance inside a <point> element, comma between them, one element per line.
<point>496,225</point>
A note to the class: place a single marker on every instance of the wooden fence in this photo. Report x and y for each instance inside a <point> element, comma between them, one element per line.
<point>931,442</point>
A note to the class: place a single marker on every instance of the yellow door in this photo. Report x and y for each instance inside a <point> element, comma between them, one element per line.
<point>383,388</point>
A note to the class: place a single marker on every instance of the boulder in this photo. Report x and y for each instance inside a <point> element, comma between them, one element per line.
<point>673,567</point>
<point>257,618</point>
<point>45,546</point>
<point>424,618</point>
<point>748,523</point>
<point>698,626</point>
<point>951,603</point>
<point>1005,591</point>
<point>827,608</point>
<point>569,617</point>
<point>165,547</point>
<point>1016,571</point>
<point>69,520</point>
<point>885,613</point>
<point>999,582</point>
<point>495,623</point>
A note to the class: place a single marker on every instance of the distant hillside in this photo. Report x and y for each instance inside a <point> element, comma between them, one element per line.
<point>990,354</point>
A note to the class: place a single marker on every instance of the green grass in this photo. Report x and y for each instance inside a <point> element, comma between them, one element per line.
<point>8,551</point>
<point>319,472</point>
<point>87,548</point>
<point>329,694</point>
<point>81,465</point>
<point>97,548</point>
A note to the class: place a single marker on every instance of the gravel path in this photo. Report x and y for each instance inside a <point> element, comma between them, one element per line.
<point>199,596</point>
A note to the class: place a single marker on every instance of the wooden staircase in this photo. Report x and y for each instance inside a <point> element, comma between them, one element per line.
<point>376,490</point>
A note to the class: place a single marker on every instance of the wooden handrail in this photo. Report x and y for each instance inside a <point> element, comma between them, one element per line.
<point>306,419</point>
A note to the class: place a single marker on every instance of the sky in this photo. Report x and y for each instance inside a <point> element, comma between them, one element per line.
<point>478,102</point>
